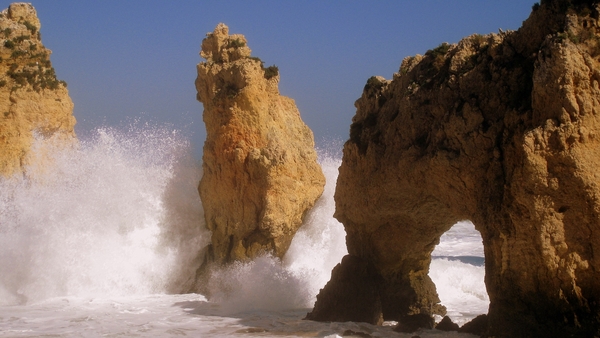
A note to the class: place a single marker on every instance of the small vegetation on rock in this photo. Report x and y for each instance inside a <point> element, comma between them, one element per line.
<point>405,66</point>
<point>438,55</point>
<point>256,58</point>
<point>574,38</point>
<point>584,36</point>
<point>271,71</point>
<point>440,50</point>
<point>413,87</point>
<point>21,38</point>
<point>30,27</point>
<point>17,54</point>
<point>434,66</point>
<point>373,83</point>
<point>478,40</point>
<point>562,36</point>
<point>34,74</point>
<point>236,43</point>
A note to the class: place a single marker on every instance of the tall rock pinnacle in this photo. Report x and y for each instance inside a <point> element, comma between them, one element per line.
<point>260,167</point>
<point>32,100</point>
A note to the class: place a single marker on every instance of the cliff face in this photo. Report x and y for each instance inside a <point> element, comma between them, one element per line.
<point>32,100</point>
<point>502,130</point>
<point>260,166</point>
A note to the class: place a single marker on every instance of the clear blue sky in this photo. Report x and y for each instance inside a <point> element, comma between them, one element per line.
<point>137,59</point>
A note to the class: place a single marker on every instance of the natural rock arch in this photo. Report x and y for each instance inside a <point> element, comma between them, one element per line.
<point>500,129</point>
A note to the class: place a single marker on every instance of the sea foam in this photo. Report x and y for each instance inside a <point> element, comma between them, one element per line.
<point>119,215</point>
<point>268,283</point>
<point>101,218</point>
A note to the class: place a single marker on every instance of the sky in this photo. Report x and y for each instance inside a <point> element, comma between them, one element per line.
<point>133,60</point>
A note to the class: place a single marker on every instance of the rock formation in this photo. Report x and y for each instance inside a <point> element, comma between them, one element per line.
<point>260,167</point>
<point>32,100</point>
<point>502,130</point>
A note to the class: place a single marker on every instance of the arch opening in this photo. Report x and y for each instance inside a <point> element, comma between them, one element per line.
<point>458,270</point>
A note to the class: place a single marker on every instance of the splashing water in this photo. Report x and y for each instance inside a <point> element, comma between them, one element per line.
<point>458,272</point>
<point>98,221</point>
<point>269,284</point>
<point>119,214</point>
<point>98,237</point>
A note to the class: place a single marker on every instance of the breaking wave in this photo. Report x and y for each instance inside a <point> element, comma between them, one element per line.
<point>118,214</point>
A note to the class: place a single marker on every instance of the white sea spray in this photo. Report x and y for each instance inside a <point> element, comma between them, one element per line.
<point>268,283</point>
<point>98,219</point>
<point>98,241</point>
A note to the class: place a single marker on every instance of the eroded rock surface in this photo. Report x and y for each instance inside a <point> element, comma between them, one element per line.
<point>260,166</point>
<point>503,130</point>
<point>32,100</point>
<point>353,276</point>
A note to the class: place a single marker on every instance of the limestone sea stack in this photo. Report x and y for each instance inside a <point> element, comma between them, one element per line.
<point>260,166</point>
<point>500,129</point>
<point>32,100</point>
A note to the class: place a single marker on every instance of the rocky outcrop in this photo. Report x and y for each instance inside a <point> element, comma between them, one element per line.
<point>477,326</point>
<point>353,276</point>
<point>32,100</point>
<point>446,324</point>
<point>503,130</point>
<point>260,167</point>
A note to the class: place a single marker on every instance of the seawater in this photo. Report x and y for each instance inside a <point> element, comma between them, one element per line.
<point>102,238</point>
<point>458,271</point>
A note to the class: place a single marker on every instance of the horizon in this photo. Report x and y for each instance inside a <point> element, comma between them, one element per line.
<point>134,60</point>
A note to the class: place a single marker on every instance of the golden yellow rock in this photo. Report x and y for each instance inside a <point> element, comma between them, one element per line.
<point>32,100</point>
<point>260,167</point>
<point>502,130</point>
